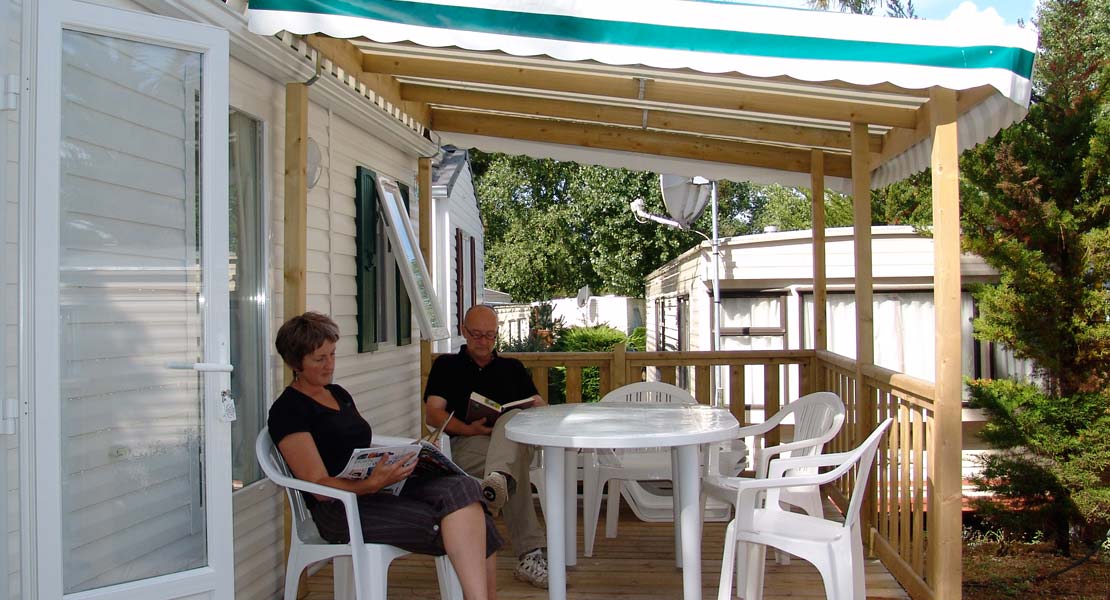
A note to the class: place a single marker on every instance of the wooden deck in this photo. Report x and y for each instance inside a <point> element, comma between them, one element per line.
<point>638,564</point>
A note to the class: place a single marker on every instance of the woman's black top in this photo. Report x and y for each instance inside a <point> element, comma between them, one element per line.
<point>336,432</point>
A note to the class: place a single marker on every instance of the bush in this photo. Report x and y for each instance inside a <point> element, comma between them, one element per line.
<point>600,338</point>
<point>1053,471</point>
<point>637,340</point>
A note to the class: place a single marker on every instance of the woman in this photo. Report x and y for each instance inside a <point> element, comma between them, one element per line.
<point>316,427</point>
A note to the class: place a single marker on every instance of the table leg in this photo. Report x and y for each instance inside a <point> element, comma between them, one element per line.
<point>689,485</point>
<point>676,508</point>
<point>554,474</point>
<point>570,479</point>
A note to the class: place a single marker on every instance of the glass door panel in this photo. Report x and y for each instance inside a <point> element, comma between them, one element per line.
<point>130,303</point>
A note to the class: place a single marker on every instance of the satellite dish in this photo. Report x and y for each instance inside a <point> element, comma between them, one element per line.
<point>583,296</point>
<point>312,166</point>
<point>684,197</point>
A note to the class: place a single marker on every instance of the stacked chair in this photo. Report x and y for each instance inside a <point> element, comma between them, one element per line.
<point>835,548</point>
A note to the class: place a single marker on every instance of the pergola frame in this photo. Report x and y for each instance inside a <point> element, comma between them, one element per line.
<point>820,131</point>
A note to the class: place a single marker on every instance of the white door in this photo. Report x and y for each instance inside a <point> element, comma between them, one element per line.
<point>132,479</point>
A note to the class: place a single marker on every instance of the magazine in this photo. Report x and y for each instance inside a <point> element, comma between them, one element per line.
<point>481,407</point>
<point>431,462</point>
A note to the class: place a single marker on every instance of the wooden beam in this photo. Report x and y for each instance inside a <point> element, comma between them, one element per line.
<point>820,282</point>
<point>631,116</point>
<point>944,560</point>
<point>632,140</point>
<point>865,312</point>
<point>296,201</point>
<point>348,57</point>
<point>295,234</point>
<point>900,139</point>
<point>865,317</point>
<point>424,224</point>
<point>626,87</point>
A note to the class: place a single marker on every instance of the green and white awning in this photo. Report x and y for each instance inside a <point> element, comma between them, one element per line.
<point>755,66</point>
<point>710,37</point>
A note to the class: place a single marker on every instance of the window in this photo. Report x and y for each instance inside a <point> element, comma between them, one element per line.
<point>373,260</point>
<point>368,259</point>
<point>250,341</point>
<point>460,302</point>
<point>403,304</point>
<point>384,241</point>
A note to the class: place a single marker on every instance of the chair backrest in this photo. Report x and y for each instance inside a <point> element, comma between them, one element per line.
<point>818,417</point>
<point>864,456</point>
<point>273,465</point>
<point>649,391</point>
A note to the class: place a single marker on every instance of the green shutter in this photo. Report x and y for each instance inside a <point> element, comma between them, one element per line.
<point>404,303</point>
<point>366,258</point>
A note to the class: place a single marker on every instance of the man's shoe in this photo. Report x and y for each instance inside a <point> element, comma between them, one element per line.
<point>495,491</point>
<point>533,569</point>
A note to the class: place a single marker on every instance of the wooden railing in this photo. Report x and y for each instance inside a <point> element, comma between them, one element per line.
<point>897,501</point>
<point>896,505</point>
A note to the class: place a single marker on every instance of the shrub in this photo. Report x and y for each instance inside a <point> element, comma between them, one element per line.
<point>1053,471</point>
<point>600,338</point>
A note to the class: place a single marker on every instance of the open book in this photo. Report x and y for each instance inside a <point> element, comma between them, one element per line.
<point>481,407</point>
<point>431,462</point>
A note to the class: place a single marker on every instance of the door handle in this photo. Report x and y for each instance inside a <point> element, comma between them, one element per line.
<point>204,367</point>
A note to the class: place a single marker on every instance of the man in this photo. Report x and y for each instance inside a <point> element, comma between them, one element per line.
<point>484,451</point>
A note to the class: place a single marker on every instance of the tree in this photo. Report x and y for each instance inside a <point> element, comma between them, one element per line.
<point>1036,207</point>
<point>552,227</point>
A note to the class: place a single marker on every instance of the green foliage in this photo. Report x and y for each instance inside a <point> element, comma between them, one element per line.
<point>791,209</point>
<point>1042,209</point>
<point>1036,206</point>
<point>637,340</point>
<point>599,338</point>
<point>552,227</point>
<point>1052,471</point>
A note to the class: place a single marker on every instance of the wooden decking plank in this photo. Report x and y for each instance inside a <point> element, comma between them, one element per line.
<point>636,565</point>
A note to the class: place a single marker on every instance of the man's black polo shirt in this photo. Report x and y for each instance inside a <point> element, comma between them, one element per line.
<point>455,376</point>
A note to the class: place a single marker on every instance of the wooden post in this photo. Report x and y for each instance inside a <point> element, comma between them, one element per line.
<point>296,201</point>
<point>424,185</point>
<point>296,232</point>
<point>820,294</point>
<point>620,366</point>
<point>945,453</point>
<point>865,317</point>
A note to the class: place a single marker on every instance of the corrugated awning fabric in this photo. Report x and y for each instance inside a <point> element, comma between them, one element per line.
<point>706,36</point>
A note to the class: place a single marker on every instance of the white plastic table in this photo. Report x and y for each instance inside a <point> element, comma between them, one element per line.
<point>681,427</point>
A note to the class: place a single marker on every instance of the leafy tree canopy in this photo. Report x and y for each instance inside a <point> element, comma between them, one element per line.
<point>553,227</point>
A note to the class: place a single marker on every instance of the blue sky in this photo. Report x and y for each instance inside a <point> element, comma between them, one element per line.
<point>1000,11</point>
<point>1009,10</point>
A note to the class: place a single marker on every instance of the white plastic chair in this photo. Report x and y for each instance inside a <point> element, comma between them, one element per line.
<point>836,549</point>
<point>603,466</point>
<point>370,562</point>
<point>817,418</point>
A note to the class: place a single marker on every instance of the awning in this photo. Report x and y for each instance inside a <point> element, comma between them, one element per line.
<point>818,58</point>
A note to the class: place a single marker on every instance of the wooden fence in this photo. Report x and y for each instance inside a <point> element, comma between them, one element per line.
<point>897,503</point>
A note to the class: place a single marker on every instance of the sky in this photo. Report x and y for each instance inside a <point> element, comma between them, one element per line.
<point>996,11</point>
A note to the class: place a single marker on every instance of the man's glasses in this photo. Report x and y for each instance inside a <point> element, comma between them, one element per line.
<point>481,335</point>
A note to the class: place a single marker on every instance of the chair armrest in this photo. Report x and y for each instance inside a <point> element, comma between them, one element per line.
<point>765,455</point>
<point>757,429</point>
<point>779,466</point>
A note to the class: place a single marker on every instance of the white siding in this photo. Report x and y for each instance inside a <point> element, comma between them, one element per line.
<point>385,383</point>
<point>9,306</point>
<point>257,519</point>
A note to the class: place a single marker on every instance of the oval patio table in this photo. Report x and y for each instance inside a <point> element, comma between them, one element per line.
<point>680,427</point>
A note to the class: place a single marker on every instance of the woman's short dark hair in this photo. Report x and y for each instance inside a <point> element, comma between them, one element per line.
<point>302,335</point>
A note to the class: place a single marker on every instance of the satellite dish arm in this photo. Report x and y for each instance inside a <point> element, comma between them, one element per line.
<point>642,215</point>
